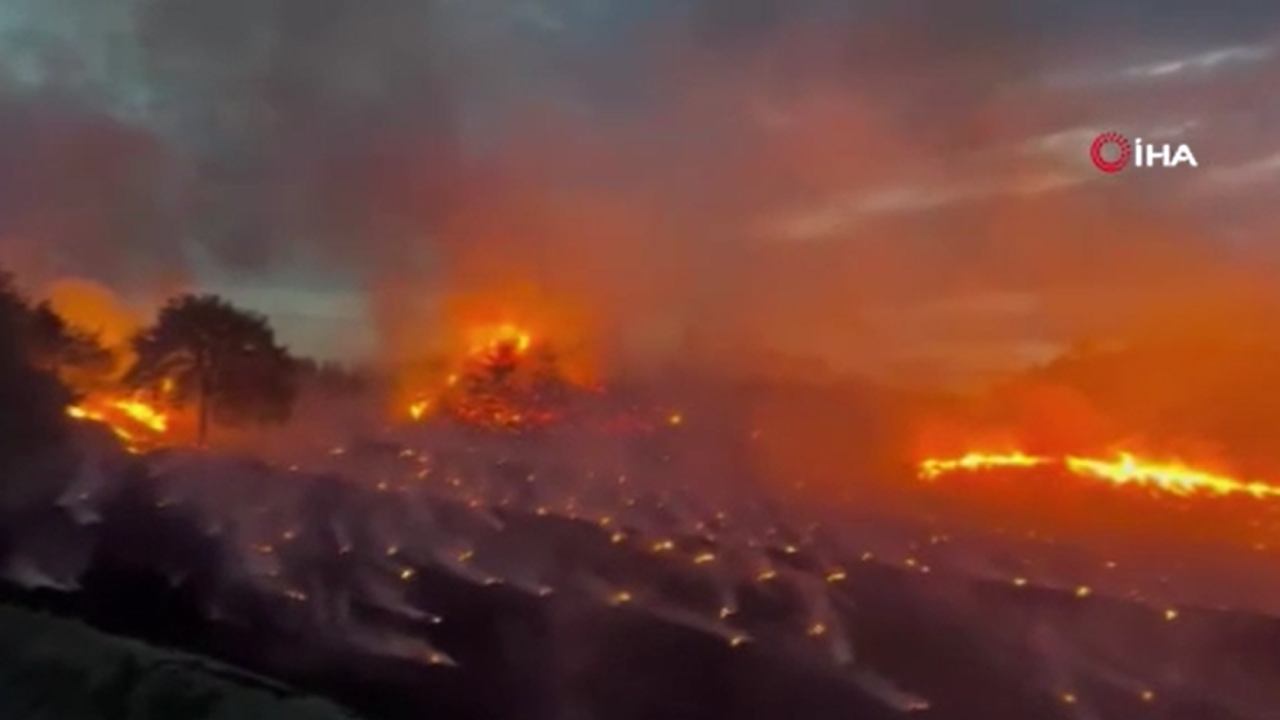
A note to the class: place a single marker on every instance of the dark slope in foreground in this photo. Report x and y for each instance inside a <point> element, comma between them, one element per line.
<point>55,668</point>
<point>975,649</point>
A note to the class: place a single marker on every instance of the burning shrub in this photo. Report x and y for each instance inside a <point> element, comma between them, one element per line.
<point>508,382</point>
<point>513,382</point>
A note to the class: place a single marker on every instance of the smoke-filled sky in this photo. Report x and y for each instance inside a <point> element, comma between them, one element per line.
<point>763,172</point>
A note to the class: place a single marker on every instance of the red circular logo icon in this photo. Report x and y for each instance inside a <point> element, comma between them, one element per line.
<point>1124,152</point>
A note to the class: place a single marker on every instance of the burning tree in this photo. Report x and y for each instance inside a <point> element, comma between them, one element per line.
<point>203,351</point>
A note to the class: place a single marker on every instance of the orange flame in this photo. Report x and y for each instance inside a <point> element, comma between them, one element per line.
<point>137,423</point>
<point>495,338</point>
<point>936,467</point>
<point>144,414</point>
<point>419,408</point>
<point>487,345</point>
<point>1124,469</point>
<point>1171,477</point>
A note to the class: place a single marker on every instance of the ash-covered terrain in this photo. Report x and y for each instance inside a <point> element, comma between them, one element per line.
<point>445,574</point>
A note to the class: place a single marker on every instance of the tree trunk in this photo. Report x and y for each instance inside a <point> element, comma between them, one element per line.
<point>203,400</point>
<point>202,421</point>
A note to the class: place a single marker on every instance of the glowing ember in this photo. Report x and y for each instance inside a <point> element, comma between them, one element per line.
<point>418,410</point>
<point>1124,469</point>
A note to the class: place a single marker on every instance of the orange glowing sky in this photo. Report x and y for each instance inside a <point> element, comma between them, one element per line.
<point>681,174</point>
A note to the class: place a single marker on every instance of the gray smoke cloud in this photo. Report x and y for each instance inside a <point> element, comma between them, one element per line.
<point>147,142</point>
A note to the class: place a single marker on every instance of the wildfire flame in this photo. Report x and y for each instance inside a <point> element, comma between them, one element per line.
<point>1124,469</point>
<point>506,382</point>
<point>419,409</point>
<point>135,422</point>
<point>499,347</point>
<point>505,337</point>
<point>936,467</point>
